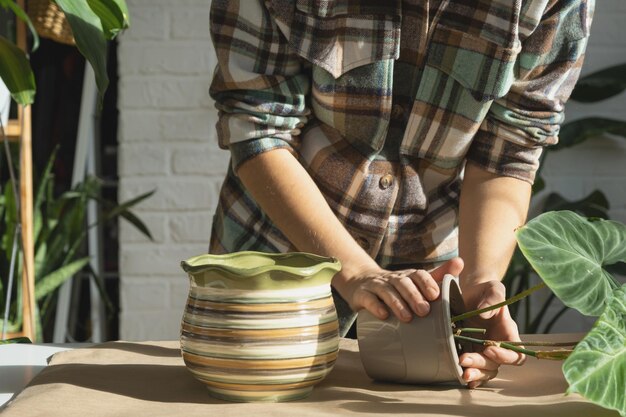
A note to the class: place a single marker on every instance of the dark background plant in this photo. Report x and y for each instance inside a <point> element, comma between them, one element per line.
<point>534,313</point>
<point>60,232</point>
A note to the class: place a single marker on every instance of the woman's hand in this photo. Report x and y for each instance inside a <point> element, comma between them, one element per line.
<point>404,292</point>
<point>483,365</point>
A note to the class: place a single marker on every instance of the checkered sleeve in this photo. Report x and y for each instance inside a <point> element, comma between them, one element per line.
<point>518,125</point>
<point>259,86</point>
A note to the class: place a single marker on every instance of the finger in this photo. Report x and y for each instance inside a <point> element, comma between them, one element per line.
<point>388,294</point>
<point>453,267</point>
<point>476,360</point>
<point>409,292</point>
<point>426,284</point>
<point>507,330</point>
<point>369,301</point>
<point>504,356</point>
<point>493,294</point>
<point>473,375</point>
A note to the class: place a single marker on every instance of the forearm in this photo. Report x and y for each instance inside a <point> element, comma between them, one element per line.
<point>288,195</point>
<point>491,208</point>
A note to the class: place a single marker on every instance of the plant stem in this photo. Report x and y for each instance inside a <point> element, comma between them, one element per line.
<point>558,355</point>
<point>494,343</point>
<point>511,300</point>
<point>469,330</point>
<point>542,343</point>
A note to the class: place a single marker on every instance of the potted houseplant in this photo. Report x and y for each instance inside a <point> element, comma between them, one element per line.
<point>570,253</point>
<point>93,23</point>
<point>60,233</point>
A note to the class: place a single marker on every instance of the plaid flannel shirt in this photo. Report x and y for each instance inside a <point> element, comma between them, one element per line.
<point>383,102</point>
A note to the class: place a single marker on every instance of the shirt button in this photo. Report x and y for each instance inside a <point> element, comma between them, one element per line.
<point>397,112</point>
<point>386,181</point>
<point>363,242</point>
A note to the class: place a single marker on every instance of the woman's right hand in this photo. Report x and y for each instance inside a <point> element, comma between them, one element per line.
<point>405,292</point>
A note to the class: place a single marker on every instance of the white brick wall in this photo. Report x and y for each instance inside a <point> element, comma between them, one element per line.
<point>167,142</point>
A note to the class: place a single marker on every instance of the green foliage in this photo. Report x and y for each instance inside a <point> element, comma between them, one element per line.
<point>597,368</point>
<point>16,72</point>
<point>520,275</point>
<point>600,85</point>
<point>520,272</point>
<point>60,231</point>
<point>15,340</point>
<point>93,22</point>
<point>570,253</point>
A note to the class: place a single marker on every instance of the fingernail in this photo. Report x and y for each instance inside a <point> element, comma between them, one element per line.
<point>467,362</point>
<point>433,293</point>
<point>382,312</point>
<point>422,309</point>
<point>405,315</point>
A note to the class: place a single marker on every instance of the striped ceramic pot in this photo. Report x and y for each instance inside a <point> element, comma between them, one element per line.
<point>260,326</point>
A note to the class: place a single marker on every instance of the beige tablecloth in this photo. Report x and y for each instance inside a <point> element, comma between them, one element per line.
<point>150,379</point>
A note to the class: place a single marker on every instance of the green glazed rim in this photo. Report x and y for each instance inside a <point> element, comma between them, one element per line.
<point>252,263</point>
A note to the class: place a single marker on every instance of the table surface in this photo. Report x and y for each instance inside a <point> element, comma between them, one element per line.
<point>20,362</point>
<point>149,378</point>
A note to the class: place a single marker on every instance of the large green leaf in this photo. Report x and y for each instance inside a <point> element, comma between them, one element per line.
<point>600,85</point>
<point>569,251</point>
<point>597,368</point>
<point>51,281</point>
<point>89,35</point>
<point>16,72</point>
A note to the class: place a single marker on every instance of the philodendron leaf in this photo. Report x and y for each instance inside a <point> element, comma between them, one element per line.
<point>597,368</point>
<point>569,251</point>
<point>600,85</point>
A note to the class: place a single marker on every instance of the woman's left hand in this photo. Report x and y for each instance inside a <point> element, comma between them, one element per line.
<point>483,365</point>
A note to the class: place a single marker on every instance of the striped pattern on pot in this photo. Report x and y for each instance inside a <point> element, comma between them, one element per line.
<point>259,345</point>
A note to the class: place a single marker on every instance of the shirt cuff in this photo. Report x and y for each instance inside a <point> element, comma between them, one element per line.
<point>242,151</point>
<point>503,157</point>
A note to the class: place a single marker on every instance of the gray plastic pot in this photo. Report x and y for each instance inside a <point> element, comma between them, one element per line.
<point>420,352</point>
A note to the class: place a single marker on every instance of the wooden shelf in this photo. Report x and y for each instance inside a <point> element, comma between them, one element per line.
<point>13,130</point>
<point>20,129</point>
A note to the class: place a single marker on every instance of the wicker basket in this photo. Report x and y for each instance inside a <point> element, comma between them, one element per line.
<point>50,21</point>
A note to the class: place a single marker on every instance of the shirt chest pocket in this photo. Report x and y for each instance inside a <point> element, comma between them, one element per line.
<point>352,48</point>
<point>462,76</point>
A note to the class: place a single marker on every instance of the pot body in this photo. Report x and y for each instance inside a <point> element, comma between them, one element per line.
<point>260,327</point>
<point>420,352</point>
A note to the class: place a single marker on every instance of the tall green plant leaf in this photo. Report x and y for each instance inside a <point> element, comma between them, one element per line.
<point>569,251</point>
<point>90,40</point>
<point>20,13</point>
<point>578,131</point>
<point>51,281</point>
<point>597,368</point>
<point>16,72</point>
<point>113,15</point>
<point>600,85</point>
